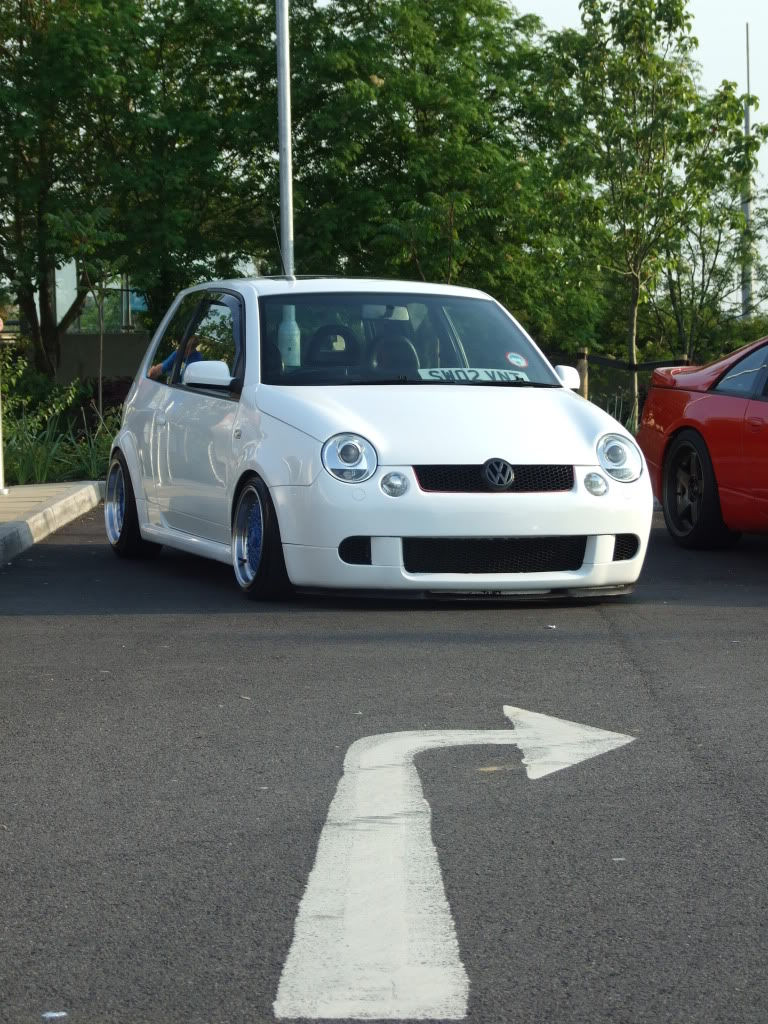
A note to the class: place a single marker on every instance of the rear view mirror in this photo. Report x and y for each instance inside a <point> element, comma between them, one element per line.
<point>569,375</point>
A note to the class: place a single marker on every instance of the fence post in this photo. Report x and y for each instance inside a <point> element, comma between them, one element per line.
<point>582,365</point>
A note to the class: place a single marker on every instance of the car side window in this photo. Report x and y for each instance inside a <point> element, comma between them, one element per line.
<point>214,335</point>
<point>163,358</point>
<point>743,378</point>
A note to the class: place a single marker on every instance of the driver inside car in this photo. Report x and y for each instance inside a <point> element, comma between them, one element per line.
<point>192,355</point>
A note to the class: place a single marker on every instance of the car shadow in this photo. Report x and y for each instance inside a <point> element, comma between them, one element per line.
<point>64,578</point>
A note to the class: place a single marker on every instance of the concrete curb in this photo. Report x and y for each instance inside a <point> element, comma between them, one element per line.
<point>17,536</point>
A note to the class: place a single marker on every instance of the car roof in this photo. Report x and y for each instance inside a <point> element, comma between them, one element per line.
<point>307,285</point>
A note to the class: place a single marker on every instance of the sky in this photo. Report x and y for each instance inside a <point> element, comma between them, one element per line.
<point>720,27</point>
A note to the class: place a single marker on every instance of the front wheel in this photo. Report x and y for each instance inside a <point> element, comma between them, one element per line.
<point>690,497</point>
<point>257,552</point>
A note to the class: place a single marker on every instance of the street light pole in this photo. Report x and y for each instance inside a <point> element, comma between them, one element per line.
<point>288,333</point>
<point>284,134</point>
<point>746,209</point>
<point>3,488</point>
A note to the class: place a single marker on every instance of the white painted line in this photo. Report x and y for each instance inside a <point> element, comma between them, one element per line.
<point>374,936</point>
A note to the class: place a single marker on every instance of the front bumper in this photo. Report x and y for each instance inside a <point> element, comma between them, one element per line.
<point>314,520</point>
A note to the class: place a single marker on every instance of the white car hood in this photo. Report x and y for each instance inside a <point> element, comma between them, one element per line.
<point>417,424</point>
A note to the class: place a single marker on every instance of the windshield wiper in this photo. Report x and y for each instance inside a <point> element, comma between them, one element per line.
<point>384,380</point>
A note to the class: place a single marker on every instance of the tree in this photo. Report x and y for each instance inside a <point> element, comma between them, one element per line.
<point>54,59</point>
<point>659,147</point>
<point>189,150</point>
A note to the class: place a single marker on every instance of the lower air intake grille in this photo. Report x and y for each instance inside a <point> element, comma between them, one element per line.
<point>493,554</point>
<point>471,479</point>
<point>356,550</point>
<point>625,546</point>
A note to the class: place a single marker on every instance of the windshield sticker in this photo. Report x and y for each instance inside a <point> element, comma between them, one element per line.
<point>516,359</point>
<point>470,373</point>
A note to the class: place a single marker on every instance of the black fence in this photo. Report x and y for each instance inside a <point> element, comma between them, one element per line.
<point>608,383</point>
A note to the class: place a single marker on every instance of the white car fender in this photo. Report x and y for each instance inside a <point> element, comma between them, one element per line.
<point>126,442</point>
<point>282,455</point>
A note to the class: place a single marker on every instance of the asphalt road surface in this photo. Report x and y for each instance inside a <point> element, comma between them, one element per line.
<point>169,752</point>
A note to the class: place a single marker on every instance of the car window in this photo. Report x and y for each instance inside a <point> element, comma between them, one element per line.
<point>359,338</point>
<point>168,344</point>
<point>214,335</point>
<point>742,379</point>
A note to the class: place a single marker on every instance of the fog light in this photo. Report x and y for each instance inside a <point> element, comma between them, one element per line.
<point>394,484</point>
<point>595,484</point>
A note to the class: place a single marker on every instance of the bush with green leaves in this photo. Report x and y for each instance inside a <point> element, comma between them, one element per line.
<point>47,435</point>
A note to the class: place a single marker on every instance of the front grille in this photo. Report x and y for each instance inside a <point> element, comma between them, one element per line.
<point>625,546</point>
<point>493,554</point>
<point>471,479</point>
<point>355,550</point>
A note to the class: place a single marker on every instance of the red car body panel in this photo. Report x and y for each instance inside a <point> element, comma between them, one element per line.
<point>734,428</point>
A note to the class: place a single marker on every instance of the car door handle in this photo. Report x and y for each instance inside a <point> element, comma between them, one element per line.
<point>160,419</point>
<point>755,424</point>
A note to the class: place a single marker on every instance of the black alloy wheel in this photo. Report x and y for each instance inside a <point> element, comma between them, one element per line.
<point>690,497</point>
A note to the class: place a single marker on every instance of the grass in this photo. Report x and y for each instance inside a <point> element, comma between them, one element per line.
<point>59,449</point>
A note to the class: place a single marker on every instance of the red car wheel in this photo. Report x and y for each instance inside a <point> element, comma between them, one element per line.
<point>690,497</point>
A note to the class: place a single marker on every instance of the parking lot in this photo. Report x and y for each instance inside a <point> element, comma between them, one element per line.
<point>170,752</point>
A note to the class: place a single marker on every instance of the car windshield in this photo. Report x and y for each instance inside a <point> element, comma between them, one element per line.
<point>389,338</point>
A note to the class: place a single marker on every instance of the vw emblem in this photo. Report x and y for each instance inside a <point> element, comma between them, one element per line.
<point>499,474</point>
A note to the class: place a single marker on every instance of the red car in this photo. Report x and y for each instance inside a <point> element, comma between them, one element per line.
<point>704,433</point>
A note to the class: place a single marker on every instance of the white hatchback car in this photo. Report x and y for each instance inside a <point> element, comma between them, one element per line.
<point>372,435</point>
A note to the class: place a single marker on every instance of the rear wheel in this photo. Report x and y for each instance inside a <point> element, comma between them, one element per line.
<point>120,516</point>
<point>257,552</point>
<point>690,498</point>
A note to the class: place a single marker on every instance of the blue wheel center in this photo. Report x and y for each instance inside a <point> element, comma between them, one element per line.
<point>254,537</point>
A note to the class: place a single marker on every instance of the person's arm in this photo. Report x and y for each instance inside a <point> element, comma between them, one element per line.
<point>162,369</point>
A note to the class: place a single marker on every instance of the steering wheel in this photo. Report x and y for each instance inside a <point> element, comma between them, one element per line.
<point>394,353</point>
<point>317,354</point>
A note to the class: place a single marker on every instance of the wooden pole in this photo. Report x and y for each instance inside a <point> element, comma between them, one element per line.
<point>582,365</point>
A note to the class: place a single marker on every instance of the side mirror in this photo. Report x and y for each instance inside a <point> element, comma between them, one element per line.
<point>569,375</point>
<point>208,373</point>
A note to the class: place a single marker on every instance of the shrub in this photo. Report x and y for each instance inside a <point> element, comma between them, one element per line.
<point>44,438</point>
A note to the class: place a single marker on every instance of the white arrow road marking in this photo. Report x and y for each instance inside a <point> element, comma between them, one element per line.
<point>374,936</point>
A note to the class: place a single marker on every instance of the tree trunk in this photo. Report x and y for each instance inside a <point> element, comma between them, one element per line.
<point>634,303</point>
<point>31,326</point>
<point>49,348</point>
<point>101,351</point>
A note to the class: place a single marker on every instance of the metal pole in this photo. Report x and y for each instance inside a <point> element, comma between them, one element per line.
<point>284,134</point>
<point>3,488</point>
<point>746,209</point>
<point>288,333</point>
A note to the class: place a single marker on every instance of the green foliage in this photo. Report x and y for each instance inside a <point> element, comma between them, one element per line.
<point>57,67</point>
<point>582,177</point>
<point>30,395</point>
<point>87,448</point>
<point>46,431</point>
<point>191,141</point>
<point>34,453</point>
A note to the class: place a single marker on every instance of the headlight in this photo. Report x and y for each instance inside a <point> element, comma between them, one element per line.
<point>620,457</point>
<point>350,458</point>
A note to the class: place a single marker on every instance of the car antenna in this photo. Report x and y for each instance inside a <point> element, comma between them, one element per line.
<point>280,251</point>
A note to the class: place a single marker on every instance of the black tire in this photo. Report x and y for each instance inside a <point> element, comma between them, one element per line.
<point>690,497</point>
<point>257,551</point>
<point>120,516</point>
